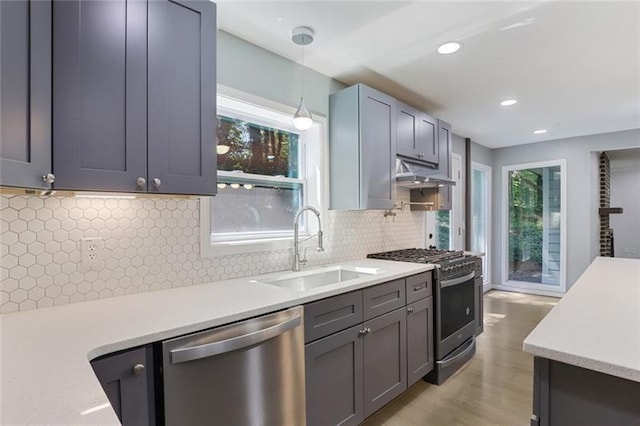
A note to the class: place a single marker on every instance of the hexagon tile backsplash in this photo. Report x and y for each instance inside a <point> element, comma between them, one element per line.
<point>151,244</point>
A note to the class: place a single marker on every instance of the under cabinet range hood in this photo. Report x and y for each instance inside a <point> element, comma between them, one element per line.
<point>414,175</point>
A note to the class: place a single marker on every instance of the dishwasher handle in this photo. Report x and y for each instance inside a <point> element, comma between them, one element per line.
<point>193,353</point>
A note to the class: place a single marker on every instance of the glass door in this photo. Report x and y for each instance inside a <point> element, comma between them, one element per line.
<point>534,228</point>
<point>481,214</point>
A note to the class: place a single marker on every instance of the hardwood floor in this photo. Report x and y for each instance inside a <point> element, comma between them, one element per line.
<point>494,388</point>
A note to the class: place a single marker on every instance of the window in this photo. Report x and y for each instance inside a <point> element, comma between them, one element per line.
<point>267,170</point>
<point>534,232</point>
<point>443,229</point>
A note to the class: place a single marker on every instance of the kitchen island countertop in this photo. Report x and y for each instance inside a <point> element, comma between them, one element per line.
<point>596,325</point>
<point>45,374</point>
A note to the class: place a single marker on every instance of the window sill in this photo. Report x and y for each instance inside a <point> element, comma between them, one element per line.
<point>246,246</point>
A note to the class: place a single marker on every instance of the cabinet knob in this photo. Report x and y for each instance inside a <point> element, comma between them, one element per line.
<point>48,178</point>
<point>138,369</point>
<point>156,182</point>
<point>421,155</point>
<point>364,331</point>
<point>410,310</point>
<point>141,182</point>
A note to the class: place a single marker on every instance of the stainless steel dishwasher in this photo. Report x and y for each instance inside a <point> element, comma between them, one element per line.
<point>247,373</point>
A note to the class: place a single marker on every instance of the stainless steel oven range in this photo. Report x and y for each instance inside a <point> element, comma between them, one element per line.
<point>454,305</point>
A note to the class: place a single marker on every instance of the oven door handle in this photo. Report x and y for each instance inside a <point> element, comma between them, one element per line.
<point>456,281</point>
<point>469,348</point>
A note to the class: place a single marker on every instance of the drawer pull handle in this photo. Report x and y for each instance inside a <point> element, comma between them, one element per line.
<point>364,331</point>
<point>419,287</point>
<point>410,310</point>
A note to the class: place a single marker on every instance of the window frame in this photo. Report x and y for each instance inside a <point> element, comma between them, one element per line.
<point>523,286</point>
<point>487,208</point>
<point>313,147</point>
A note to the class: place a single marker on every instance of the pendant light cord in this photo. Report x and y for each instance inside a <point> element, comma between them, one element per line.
<point>302,71</point>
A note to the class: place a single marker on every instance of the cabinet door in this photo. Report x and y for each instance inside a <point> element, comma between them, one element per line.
<point>334,379</point>
<point>25,88</point>
<point>427,145</point>
<point>385,359</point>
<point>182,104</point>
<point>407,131</point>
<point>444,198</point>
<point>444,147</point>
<point>419,339</point>
<point>100,86</point>
<point>127,379</point>
<point>377,149</point>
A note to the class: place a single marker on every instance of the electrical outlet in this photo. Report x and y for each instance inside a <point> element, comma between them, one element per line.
<point>92,253</point>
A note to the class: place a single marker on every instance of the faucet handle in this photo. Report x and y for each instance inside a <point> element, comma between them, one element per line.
<point>303,258</point>
<point>320,241</point>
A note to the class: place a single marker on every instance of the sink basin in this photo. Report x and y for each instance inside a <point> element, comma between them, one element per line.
<point>307,280</point>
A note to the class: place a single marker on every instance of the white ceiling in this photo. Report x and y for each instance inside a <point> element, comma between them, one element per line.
<point>573,66</point>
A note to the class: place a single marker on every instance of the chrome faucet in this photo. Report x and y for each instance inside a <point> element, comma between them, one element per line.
<point>296,238</point>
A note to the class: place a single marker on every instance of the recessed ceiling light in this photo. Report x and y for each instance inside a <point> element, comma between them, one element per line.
<point>540,131</point>
<point>509,102</point>
<point>448,48</point>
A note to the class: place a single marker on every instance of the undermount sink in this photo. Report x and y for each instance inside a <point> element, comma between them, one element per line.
<point>307,280</point>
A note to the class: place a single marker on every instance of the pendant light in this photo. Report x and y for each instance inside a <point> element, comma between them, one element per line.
<point>302,36</point>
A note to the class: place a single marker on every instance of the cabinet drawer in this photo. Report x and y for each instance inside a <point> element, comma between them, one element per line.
<point>383,298</point>
<point>336,313</point>
<point>419,286</point>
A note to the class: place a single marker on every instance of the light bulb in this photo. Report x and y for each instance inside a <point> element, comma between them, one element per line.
<point>302,118</point>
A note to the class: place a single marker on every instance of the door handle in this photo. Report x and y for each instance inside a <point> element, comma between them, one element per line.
<point>193,353</point>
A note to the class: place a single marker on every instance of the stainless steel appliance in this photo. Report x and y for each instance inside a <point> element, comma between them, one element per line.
<point>247,373</point>
<point>454,307</point>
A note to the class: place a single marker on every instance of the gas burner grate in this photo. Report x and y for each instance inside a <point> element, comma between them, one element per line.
<point>418,255</point>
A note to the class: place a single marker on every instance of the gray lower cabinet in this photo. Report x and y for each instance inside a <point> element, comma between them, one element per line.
<point>362,135</point>
<point>127,380</point>
<point>479,306</point>
<point>25,93</point>
<point>366,347</point>
<point>385,359</point>
<point>565,394</point>
<point>134,96</point>
<point>479,300</point>
<point>419,339</point>
<point>334,379</point>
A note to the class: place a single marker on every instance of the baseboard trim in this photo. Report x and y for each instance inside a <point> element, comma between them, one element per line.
<point>527,291</point>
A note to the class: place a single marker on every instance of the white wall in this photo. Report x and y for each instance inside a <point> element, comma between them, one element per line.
<point>582,218</point>
<point>625,193</point>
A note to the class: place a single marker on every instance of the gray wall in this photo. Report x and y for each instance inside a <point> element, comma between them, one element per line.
<point>252,69</point>
<point>625,193</point>
<point>582,217</point>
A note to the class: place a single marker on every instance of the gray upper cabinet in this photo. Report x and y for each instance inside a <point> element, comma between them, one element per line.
<point>362,132</point>
<point>134,96</point>
<point>99,102</point>
<point>445,144</point>
<point>182,104</point>
<point>417,136</point>
<point>25,93</point>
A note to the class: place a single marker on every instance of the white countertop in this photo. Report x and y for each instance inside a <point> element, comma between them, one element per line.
<point>596,325</point>
<point>45,373</point>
